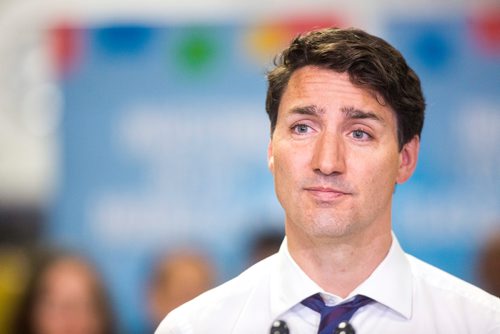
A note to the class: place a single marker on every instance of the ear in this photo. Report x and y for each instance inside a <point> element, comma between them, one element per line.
<point>270,157</point>
<point>408,159</point>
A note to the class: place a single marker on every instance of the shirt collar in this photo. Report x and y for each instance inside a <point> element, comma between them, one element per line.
<point>289,284</point>
<point>390,284</point>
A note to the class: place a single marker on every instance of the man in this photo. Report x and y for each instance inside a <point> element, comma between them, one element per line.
<point>346,115</point>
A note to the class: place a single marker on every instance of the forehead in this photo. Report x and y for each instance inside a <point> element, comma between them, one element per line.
<point>66,272</point>
<point>326,89</point>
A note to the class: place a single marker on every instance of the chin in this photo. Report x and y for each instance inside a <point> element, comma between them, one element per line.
<point>331,227</point>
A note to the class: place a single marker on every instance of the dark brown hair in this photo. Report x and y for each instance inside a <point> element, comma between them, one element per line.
<point>371,63</point>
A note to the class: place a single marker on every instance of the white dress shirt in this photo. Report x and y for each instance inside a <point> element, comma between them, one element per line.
<point>411,297</point>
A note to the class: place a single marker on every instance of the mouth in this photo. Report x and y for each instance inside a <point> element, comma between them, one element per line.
<point>326,194</point>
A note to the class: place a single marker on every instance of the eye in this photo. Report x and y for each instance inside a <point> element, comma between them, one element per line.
<point>301,128</point>
<point>360,135</point>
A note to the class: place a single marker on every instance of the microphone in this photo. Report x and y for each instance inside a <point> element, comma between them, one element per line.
<point>279,327</point>
<point>344,328</point>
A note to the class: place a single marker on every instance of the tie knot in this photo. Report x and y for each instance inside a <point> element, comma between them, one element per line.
<point>316,303</point>
<point>331,316</point>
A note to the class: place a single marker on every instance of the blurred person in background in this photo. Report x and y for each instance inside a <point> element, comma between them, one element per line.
<point>265,244</point>
<point>177,277</point>
<point>13,274</point>
<point>489,264</point>
<point>64,295</point>
<point>20,230</point>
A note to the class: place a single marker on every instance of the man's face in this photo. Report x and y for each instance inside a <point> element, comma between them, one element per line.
<point>335,157</point>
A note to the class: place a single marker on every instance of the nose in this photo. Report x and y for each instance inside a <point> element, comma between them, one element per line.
<point>329,155</point>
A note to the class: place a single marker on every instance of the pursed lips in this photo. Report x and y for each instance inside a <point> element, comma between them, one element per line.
<point>326,193</point>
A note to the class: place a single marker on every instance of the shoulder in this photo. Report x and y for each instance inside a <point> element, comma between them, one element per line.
<point>219,307</point>
<point>448,290</point>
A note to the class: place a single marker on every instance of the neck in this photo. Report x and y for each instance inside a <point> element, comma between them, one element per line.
<point>339,265</point>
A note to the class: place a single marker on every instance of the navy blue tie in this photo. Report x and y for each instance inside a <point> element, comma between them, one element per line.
<point>331,316</point>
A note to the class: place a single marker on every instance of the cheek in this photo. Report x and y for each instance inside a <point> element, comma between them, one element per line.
<point>378,174</point>
<point>288,167</point>
<point>281,175</point>
<point>286,176</point>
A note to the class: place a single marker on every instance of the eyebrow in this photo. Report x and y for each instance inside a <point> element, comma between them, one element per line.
<point>354,113</point>
<point>308,110</point>
<point>349,112</point>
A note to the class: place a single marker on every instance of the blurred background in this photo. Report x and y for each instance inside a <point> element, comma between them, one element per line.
<point>134,133</point>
